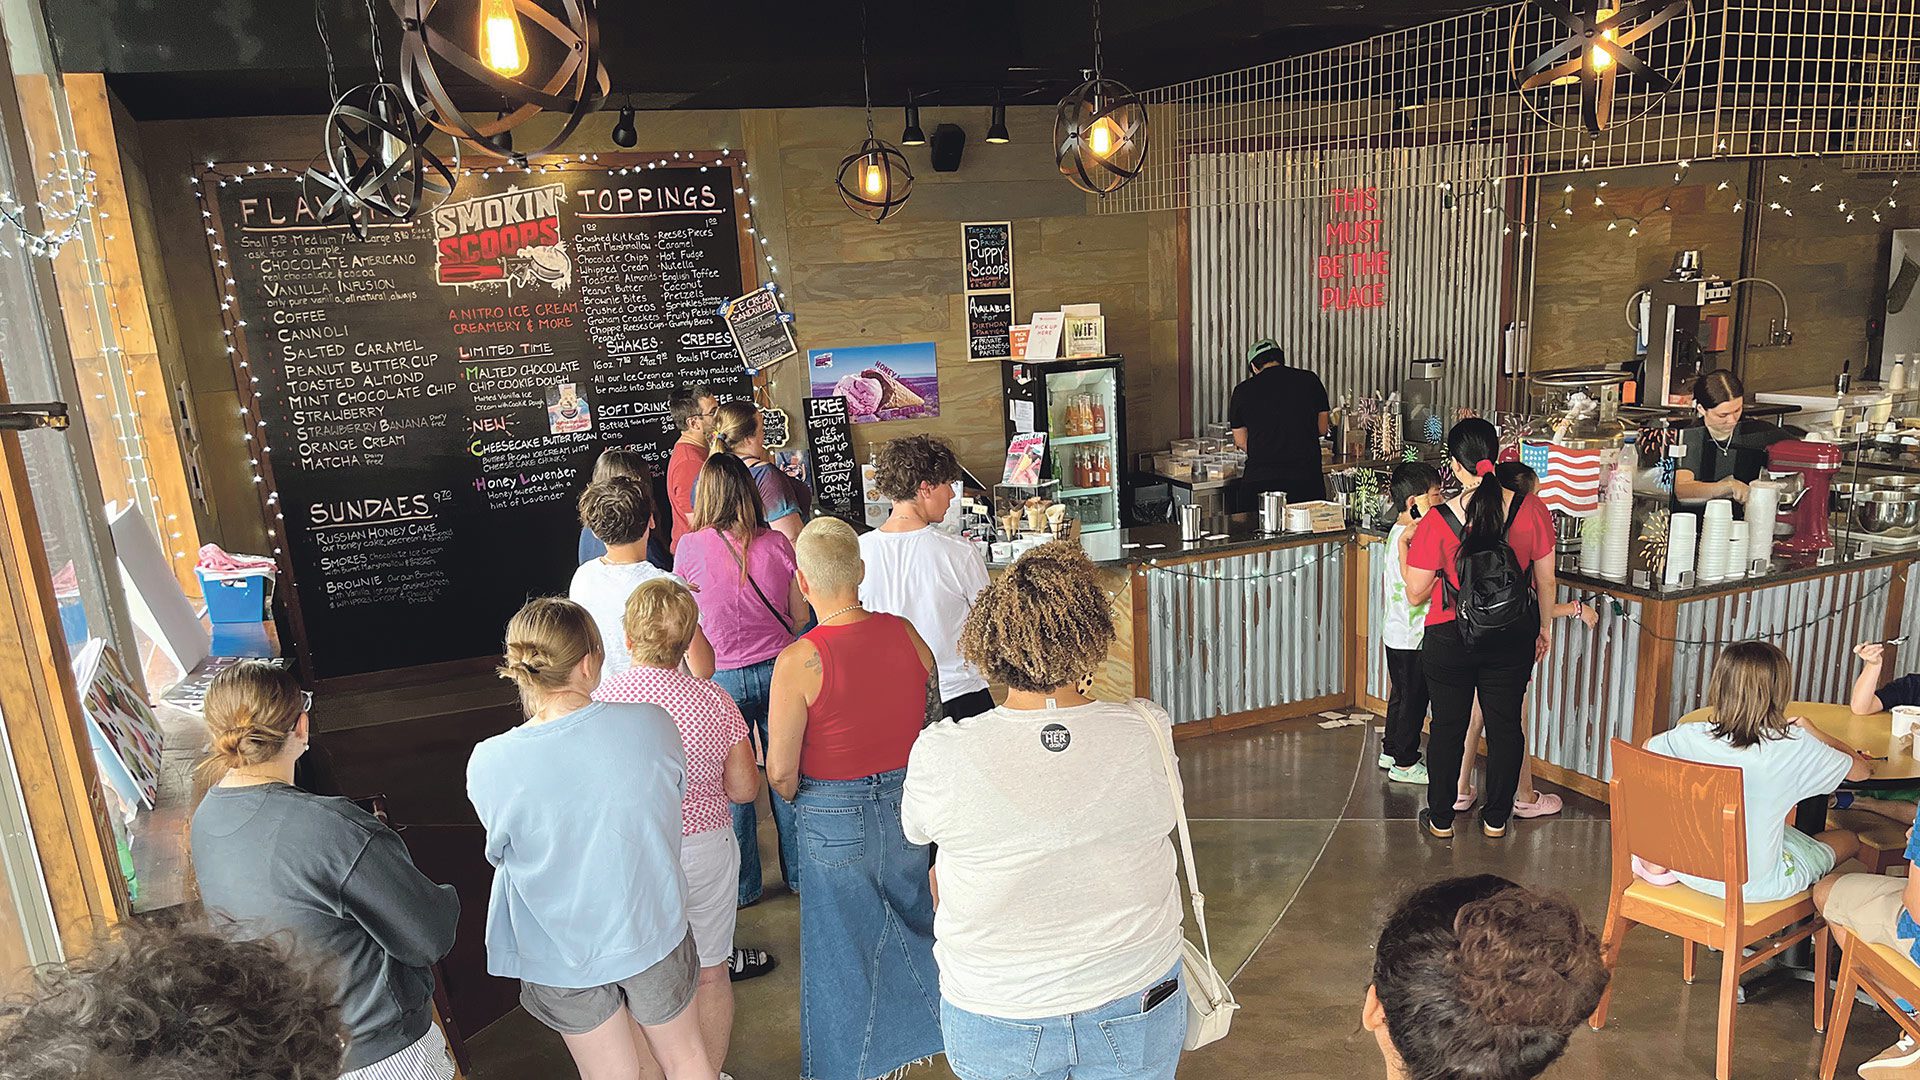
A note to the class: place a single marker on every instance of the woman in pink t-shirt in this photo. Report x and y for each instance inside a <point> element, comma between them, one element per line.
<point>1498,669</point>
<point>750,606</point>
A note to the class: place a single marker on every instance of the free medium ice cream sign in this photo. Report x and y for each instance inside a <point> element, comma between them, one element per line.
<point>880,382</point>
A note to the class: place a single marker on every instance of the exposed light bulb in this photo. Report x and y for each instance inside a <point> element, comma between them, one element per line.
<point>1602,59</point>
<point>502,45</point>
<point>873,178</point>
<point>1103,138</point>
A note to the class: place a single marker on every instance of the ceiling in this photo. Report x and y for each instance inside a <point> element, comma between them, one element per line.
<point>170,59</point>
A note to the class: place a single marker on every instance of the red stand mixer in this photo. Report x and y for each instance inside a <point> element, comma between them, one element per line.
<point>1804,506</point>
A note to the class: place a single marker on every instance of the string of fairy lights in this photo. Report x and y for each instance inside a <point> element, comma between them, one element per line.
<point>1784,195</point>
<point>217,175</point>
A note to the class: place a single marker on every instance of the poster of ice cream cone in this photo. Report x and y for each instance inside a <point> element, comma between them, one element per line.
<point>880,382</point>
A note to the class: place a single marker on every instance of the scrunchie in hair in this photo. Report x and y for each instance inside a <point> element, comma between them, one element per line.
<point>1484,468</point>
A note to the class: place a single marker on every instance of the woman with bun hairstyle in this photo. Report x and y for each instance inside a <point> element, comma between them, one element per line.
<point>1058,931</point>
<point>1478,977</point>
<point>1487,516</point>
<point>275,861</point>
<point>1725,452</point>
<point>738,430</point>
<point>581,806</point>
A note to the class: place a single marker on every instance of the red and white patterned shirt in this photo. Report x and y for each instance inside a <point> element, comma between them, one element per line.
<point>710,726</point>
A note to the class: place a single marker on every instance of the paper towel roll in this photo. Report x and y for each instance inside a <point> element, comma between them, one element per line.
<point>1763,511</point>
<point>1682,536</point>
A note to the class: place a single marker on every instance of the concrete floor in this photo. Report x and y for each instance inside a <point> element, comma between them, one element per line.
<point>1303,849</point>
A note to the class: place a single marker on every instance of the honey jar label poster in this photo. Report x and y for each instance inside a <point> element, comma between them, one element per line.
<point>880,382</point>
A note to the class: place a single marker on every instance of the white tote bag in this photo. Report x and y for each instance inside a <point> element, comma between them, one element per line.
<point>1210,1004</point>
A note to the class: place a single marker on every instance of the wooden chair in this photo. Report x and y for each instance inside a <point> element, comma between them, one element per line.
<point>1885,974</point>
<point>1692,818</point>
<point>1883,843</point>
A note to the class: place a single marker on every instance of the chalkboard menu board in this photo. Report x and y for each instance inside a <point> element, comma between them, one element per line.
<point>989,326</point>
<point>987,247</point>
<point>836,477</point>
<point>430,399</point>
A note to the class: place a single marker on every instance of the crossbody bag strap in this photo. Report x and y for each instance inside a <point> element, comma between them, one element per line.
<point>748,574</point>
<point>1164,738</point>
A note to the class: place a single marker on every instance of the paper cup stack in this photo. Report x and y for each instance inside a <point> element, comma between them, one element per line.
<point>1763,510</point>
<point>1619,527</point>
<point>1716,533</point>
<point>1737,551</point>
<point>1683,532</point>
<point>1593,541</point>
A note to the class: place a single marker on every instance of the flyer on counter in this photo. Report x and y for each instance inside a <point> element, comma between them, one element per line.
<point>1025,454</point>
<point>1043,336</point>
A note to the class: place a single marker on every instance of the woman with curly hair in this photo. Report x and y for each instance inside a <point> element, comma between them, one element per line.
<point>922,574</point>
<point>1058,933</point>
<point>175,1002</point>
<point>273,859</point>
<point>1476,976</point>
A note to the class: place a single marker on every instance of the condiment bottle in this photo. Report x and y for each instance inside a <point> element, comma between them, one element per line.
<point>1898,380</point>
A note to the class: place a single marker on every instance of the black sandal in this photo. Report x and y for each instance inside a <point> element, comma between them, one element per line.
<point>750,964</point>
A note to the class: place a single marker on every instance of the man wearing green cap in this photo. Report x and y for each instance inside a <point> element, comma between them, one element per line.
<point>1279,415</point>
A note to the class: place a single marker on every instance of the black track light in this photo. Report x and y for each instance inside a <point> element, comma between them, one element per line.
<point>913,136</point>
<point>503,141</point>
<point>997,130</point>
<point>624,135</point>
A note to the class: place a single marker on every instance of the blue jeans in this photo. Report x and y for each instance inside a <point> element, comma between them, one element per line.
<point>869,989</point>
<point>749,687</point>
<point>1115,1041</point>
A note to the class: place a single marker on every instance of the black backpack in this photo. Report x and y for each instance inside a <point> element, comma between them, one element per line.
<point>1494,598</point>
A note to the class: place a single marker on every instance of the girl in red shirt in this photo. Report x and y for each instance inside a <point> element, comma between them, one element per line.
<point>1497,670</point>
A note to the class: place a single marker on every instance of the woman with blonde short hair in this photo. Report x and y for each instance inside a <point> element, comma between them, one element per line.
<point>849,699</point>
<point>1058,935</point>
<point>581,806</point>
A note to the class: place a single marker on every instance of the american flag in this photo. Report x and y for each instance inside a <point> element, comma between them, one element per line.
<point>1569,479</point>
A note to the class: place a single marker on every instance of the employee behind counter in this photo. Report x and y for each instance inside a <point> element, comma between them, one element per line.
<point>1278,415</point>
<point>1725,452</point>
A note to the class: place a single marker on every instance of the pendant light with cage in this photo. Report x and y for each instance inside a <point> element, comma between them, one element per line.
<point>874,180</point>
<point>1100,129</point>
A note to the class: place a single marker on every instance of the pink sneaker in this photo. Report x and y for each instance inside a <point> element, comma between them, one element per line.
<point>1464,802</point>
<point>1651,874</point>
<point>1547,804</point>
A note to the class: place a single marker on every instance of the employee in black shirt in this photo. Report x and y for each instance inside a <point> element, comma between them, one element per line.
<point>1725,452</point>
<point>1278,416</point>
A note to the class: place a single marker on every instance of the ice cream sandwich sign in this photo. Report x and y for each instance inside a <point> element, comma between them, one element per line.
<point>880,382</point>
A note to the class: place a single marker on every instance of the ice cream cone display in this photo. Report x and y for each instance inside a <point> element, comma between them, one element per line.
<point>894,394</point>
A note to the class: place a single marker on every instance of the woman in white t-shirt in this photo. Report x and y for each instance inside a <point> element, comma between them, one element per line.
<point>1058,927</point>
<point>1782,760</point>
<point>919,572</point>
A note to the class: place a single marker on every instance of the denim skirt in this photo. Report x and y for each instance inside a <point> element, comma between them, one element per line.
<point>869,990</point>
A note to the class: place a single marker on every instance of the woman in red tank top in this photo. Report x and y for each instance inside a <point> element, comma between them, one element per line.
<point>848,701</point>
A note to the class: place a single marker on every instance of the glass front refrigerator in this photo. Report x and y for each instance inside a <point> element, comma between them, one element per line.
<point>1081,405</point>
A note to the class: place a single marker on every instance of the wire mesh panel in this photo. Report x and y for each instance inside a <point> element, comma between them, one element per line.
<point>1719,78</point>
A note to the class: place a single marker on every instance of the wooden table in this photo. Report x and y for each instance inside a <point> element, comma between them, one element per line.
<point>1872,733</point>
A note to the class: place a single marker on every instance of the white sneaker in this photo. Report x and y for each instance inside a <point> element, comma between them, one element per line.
<point>1386,761</point>
<point>1898,1060</point>
<point>1415,773</point>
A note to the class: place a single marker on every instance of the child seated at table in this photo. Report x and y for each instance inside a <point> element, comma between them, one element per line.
<point>1782,759</point>
<point>1881,910</point>
<point>1870,697</point>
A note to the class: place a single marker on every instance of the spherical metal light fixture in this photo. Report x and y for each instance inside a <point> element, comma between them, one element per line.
<point>573,86</point>
<point>874,180</point>
<point>1100,130</point>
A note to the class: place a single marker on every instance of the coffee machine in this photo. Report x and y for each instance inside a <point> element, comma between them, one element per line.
<point>1808,467</point>
<point>1673,340</point>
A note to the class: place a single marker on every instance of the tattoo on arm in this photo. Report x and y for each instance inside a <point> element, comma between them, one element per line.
<point>813,662</point>
<point>934,710</point>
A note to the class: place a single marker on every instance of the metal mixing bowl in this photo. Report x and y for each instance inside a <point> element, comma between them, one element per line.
<point>1909,484</point>
<point>1888,514</point>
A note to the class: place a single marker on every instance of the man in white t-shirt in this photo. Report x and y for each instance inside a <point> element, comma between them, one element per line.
<point>619,510</point>
<point>923,574</point>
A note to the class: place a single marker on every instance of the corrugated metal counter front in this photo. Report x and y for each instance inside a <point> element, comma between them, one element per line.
<point>1647,662</point>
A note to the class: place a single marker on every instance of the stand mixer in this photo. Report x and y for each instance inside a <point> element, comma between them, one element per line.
<point>1806,470</point>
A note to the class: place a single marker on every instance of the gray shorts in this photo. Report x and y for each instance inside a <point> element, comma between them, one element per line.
<point>654,996</point>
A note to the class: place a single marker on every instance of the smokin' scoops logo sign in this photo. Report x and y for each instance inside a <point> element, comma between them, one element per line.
<point>511,237</point>
<point>1352,267</point>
